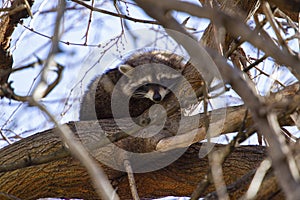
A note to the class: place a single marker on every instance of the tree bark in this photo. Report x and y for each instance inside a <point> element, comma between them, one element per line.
<point>65,177</point>
<point>8,24</point>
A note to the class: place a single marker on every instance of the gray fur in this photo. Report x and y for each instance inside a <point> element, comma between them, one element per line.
<point>96,102</point>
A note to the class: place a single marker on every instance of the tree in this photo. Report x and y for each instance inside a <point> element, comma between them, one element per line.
<point>56,163</point>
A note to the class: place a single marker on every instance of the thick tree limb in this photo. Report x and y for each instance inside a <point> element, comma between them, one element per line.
<point>7,24</point>
<point>67,178</point>
<point>289,7</point>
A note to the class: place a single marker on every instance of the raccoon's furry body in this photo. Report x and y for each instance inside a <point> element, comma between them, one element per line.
<point>96,102</point>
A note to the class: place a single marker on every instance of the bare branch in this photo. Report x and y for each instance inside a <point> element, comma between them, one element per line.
<point>114,14</point>
<point>265,120</point>
<point>233,25</point>
<point>132,184</point>
<point>291,5</point>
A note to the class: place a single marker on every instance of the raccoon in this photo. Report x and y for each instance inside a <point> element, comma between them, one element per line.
<point>150,84</point>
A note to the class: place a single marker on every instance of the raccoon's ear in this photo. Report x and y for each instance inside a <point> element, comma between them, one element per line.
<point>126,70</point>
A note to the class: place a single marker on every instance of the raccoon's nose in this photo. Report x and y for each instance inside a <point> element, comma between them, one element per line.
<point>157,96</point>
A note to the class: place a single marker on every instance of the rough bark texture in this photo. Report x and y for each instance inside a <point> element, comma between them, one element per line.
<point>67,178</point>
<point>290,7</point>
<point>240,9</point>
<point>8,24</point>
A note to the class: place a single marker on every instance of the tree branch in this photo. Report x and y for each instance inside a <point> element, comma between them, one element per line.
<point>8,23</point>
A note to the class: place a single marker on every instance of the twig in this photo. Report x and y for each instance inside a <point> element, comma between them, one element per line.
<point>131,180</point>
<point>242,182</point>
<point>115,14</point>
<point>270,18</point>
<point>88,24</point>
<point>6,90</point>
<point>201,187</point>
<point>257,179</point>
<point>256,62</point>
<point>61,41</point>
<point>215,163</point>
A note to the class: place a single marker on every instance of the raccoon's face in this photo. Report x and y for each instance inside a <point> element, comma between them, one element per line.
<point>154,92</point>
<point>146,85</point>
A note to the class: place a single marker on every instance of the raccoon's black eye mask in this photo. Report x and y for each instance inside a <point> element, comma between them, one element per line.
<point>146,87</point>
<point>141,91</point>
